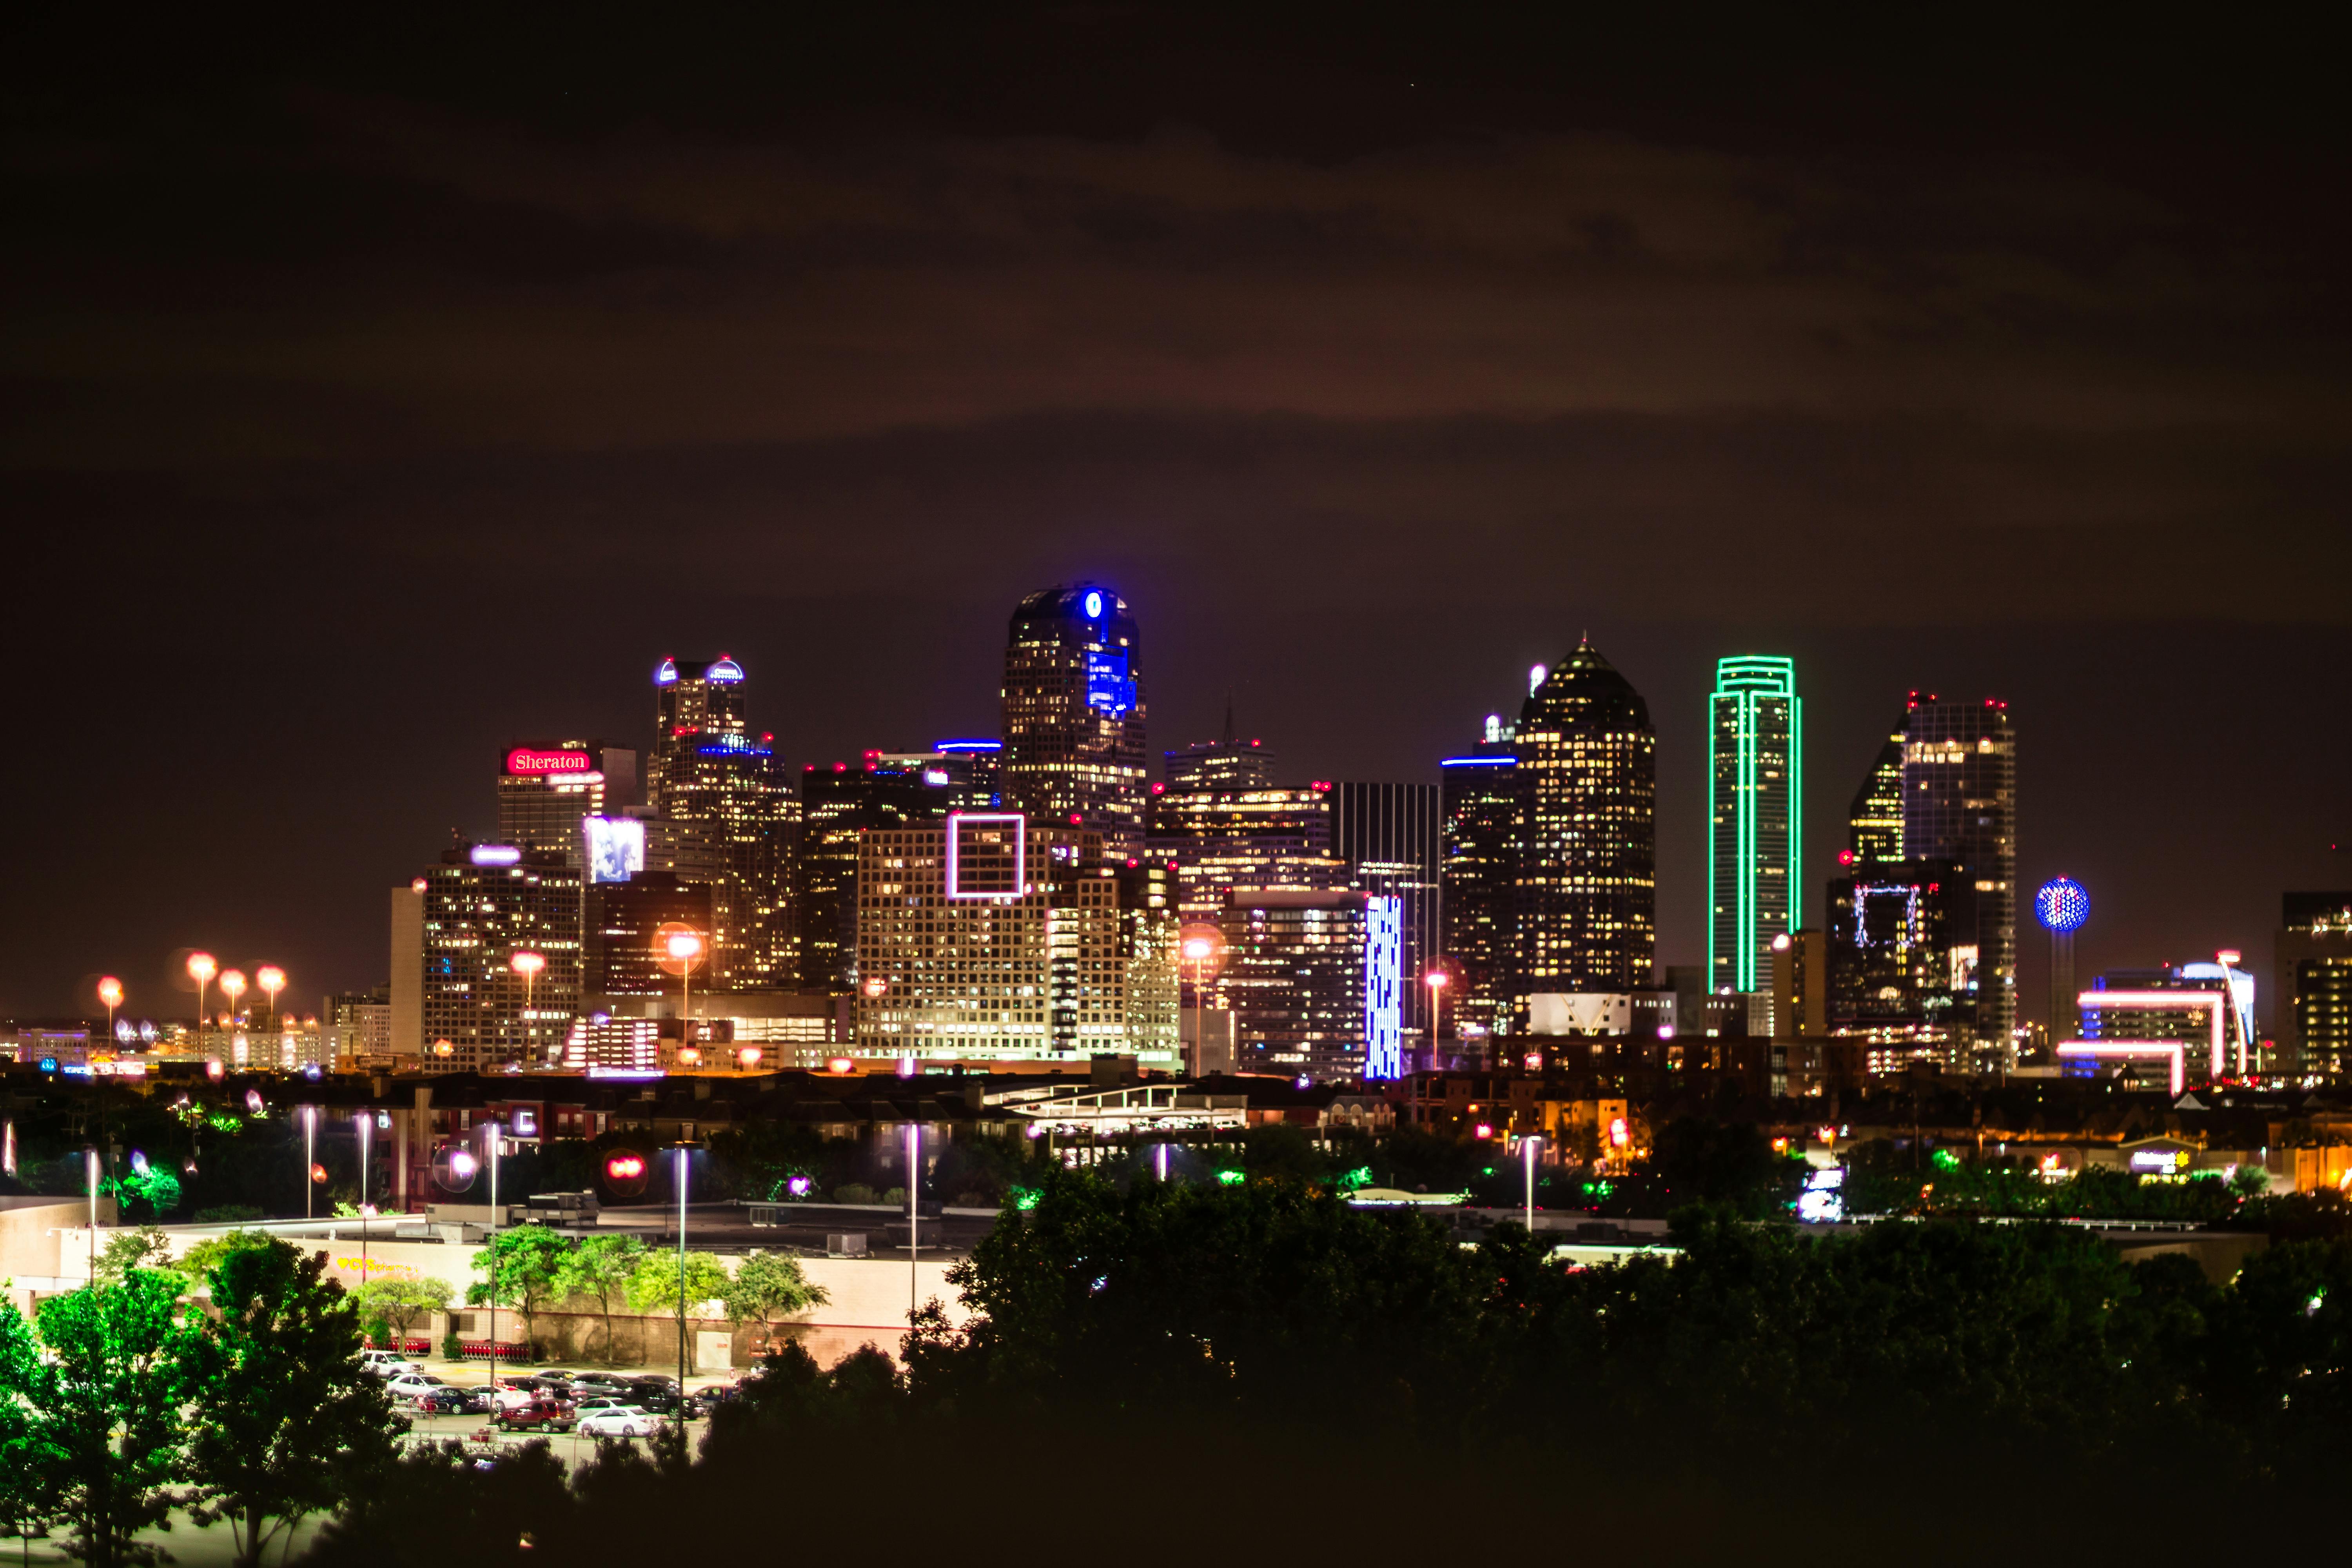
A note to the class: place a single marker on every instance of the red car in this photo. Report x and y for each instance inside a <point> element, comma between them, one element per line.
<point>541,1415</point>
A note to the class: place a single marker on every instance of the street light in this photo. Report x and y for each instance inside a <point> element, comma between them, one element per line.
<point>202,967</point>
<point>110,991</point>
<point>365,1122</point>
<point>310,1159</point>
<point>1527,1149</point>
<point>1437,980</point>
<point>232,984</point>
<point>1200,946</point>
<point>528,965</point>
<point>683,1151</point>
<point>677,948</point>
<point>272,980</point>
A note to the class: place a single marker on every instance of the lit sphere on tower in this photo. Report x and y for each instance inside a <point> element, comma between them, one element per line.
<point>2062,905</point>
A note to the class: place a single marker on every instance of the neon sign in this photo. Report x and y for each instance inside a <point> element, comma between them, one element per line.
<point>1383,987</point>
<point>495,855</point>
<point>527,762</point>
<point>987,855</point>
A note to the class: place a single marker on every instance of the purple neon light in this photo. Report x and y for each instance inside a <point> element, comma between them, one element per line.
<point>956,821</point>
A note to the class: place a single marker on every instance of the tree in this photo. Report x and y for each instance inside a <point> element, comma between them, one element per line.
<point>199,1261</point>
<point>767,1286</point>
<point>600,1268</point>
<point>401,1302</point>
<point>286,1420</point>
<point>129,1249</point>
<point>521,1266</point>
<point>24,1500</point>
<point>107,1437</point>
<point>654,1287</point>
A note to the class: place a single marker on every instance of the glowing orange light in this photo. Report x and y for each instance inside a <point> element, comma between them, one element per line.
<point>202,967</point>
<point>528,964</point>
<point>689,1057</point>
<point>677,948</point>
<point>839,1064</point>
<point>319,1175</point>
<point>749,1056</point>
<point>873,985</point>
<point>110,991</point>
<point>1535,1061</point>
<point>213,1067</point>
<point>1483,1131</point>
<point>444,1048</point>
<point>1198,949</point>
<point>626,1167</point>
<point>232,983</point>
<point>270,978</point>
<point>1619,1133</point>
<point>1437,980</point>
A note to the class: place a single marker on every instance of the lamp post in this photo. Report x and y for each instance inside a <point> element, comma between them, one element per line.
<point>677,948</point>
<point>496,1148</point>
<point>1529,1146</point>
<point>683,1171</point>
<point>89,1164</point>
<point>202,967</point>
<point>1437,980</point>
<point>914,1214</point>
<point>110,991</point>
<point>1198,946</point>
<point>272,980</point>
<point>365,1123</point>
<point>310,1159</point>
<point>528,965</point>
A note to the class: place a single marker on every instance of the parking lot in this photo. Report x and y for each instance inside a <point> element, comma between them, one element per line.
<point>481,1432</point>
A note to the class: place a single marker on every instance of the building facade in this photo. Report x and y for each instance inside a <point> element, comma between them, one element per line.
<point>1074,712</point>
<point>547,787</point>
<point>1959,805</point>
<point>483,904</point>
<point>1587,878</point>
<point>1875,825</point>
<point>1219,839</point>
<point>621,957</point>
<point>2314,979</point>
<point>1479,900</point>
<point>1391,837</point>
<point>1754,817</point>
<point>1903,970</point>
<point>987,938</point>
<point>1293,978</point>
<point>721,787</point>
<point>840,805</point>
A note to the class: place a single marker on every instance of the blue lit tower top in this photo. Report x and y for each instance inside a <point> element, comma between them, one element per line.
<point>2061,906</point>
<point>1755,816</point>
<point>1074,709</point>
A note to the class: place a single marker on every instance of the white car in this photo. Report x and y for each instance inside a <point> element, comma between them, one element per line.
<point>387,1363</point>
<point>409,1384</point>
<point>617,1421</point>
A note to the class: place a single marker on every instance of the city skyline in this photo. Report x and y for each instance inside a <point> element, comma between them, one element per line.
<point>380,405</point>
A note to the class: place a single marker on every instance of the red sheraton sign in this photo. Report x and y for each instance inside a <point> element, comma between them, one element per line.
<point>526,761</point>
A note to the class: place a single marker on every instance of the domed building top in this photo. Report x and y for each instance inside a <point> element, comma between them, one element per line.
<point>1583,690</point>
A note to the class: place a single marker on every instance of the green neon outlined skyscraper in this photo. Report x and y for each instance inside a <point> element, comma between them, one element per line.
<point>1755,808</point>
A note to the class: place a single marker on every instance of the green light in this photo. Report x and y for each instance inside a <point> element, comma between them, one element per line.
<point>1023,1199</point>
<point>1362,1176</point>
<point>1947,1160</point>
<point>1229,1178</point>
<point>1746,689</point>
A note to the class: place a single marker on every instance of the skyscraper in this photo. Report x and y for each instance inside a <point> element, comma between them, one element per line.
<point>483,904</point>
<point>1755,802</point>
<point>1588,849</point>
<point>1227,764</point>
<point>1220,839</point>
<point>1073,714</point>
<point>1479,906</point>
<point>547,787</point>
<point>1389,837</point>
<point>1875,825</point>
<point>840,805</point>
<point>1959,804</point>
<point>721,785</point>
<point>1294,977</point>
<point>2314,999</point>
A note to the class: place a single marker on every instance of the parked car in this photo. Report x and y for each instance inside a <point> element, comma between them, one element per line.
<point>587,1404</point>
<point>538,1415</point>
<point>512,1393</point>
<point>702,1402</point>
<point>387,1363</point>
<point>658,1399</point>
<point>619,1421</point>
<point>447,1401</point>
<point>409,1384</point>
<point>598,1382</point>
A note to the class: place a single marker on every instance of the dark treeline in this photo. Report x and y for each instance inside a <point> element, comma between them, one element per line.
<point>1196,1372</point>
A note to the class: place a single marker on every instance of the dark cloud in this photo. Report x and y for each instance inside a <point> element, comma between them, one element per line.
<point>387,399</point>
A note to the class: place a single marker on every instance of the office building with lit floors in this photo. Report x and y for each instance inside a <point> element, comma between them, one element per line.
<point>2166,1027</point>
<point>622,951</point>
<point>712,780</point>
<point>1754,817</point>
<point>1073,717</point>
<point>1231,764</point>
<point>2313,1002</point>
<point>1959,805</point>
<point>840,803</point>
<point>1902,960</point>
<point>1478,904</point>
<point>1587,854</point>
<point>547,788</point>
<point>1219,838</point>
<point>987,939</point>
<point>1291,975</point>
<point>1874,822</point>
<point>1391,837</point>
<point>485,906</point>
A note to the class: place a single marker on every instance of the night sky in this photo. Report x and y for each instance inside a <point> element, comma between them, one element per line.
<point>375,400</point>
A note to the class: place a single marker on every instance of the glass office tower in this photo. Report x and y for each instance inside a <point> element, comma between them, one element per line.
<point>1587,883</point>
<point>1755,809</point>
<point>1073,715</point>
<point>735,819</point>
<point>1959,804</point>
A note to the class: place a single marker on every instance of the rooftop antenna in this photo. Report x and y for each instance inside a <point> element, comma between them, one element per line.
<point>1229,716</point>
